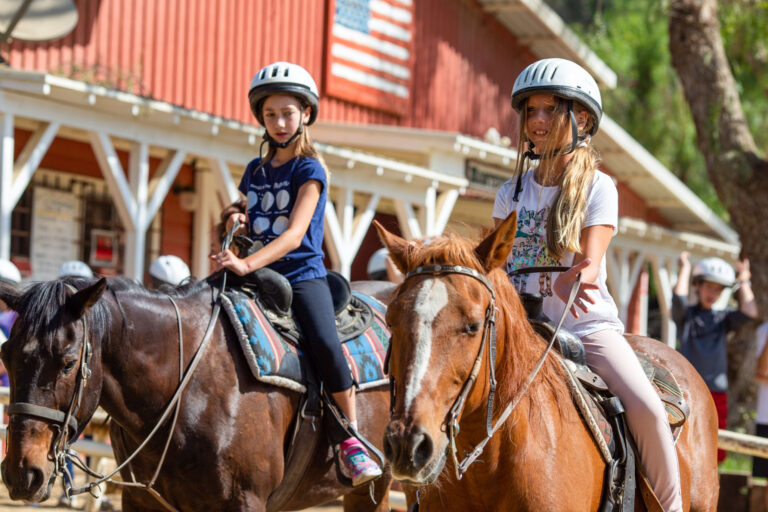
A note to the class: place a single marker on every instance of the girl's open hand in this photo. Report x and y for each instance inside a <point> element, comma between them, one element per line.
<point>227,259</point>
<point>564,283</point>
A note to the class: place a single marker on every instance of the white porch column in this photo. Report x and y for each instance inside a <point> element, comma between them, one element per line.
<point>6,183</point>
<point>202,222</point>
<point>347,233</point>
<point>623,272</point>
<point>663,275</point>
<point>136,235</point>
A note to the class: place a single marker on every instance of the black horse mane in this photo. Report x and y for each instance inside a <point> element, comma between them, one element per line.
<point>40,312</point>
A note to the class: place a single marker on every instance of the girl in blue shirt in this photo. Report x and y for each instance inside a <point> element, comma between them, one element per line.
<point>286,192</point>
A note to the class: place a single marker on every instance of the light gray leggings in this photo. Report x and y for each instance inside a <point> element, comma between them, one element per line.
<point>610,356</point>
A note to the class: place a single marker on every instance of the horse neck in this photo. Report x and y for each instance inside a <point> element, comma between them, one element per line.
<point>546,400</point>
<point>141,357</point>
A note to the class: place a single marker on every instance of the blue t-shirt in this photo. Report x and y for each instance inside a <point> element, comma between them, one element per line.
<point>271,193</point>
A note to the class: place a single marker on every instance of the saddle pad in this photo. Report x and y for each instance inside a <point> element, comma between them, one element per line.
<point>275,360</point>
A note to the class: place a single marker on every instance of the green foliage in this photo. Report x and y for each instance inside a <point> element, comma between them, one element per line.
<point>631,36</point>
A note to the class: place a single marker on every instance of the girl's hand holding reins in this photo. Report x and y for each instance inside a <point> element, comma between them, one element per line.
<point>227,259</point>
<point>235,217</point>
<point>564,283</point>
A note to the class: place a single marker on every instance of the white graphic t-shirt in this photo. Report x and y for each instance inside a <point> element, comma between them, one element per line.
<point>529,249</point>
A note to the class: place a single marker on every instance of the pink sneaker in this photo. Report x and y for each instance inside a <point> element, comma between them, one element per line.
<point>356,464</point>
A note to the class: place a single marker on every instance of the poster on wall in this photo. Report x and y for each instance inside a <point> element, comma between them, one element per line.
<point>53,233</point>
<point>103,253</point>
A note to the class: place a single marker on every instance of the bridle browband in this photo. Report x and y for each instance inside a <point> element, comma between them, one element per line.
<point>489,338</point>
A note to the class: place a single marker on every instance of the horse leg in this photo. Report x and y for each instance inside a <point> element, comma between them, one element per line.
<point>359,499</point>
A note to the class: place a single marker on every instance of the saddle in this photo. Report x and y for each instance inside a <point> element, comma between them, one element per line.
<point>258,307</point>
<point>603,413</point>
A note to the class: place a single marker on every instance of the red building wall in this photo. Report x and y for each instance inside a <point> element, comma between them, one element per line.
<point>202,55</point>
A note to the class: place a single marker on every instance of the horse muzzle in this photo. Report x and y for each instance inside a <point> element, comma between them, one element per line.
<point>27,469</point>
<point>27,482</point>
<point>411,453</point>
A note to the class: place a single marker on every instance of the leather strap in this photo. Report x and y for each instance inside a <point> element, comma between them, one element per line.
<point>46,413</point>
<point>301,451</point>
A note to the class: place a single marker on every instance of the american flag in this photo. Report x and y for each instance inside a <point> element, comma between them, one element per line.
<point>370,50</point>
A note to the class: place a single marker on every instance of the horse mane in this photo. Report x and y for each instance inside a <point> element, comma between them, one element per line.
<point>40,312</point>
<point>40,304</point>
<point>523,346</point>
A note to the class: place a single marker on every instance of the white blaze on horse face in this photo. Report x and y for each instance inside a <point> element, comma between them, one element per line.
<point>431,299</point>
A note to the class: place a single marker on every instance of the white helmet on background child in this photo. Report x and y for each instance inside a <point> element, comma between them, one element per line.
<point>715,271</point>
<point>561,78</point>
<point>9,273</point>
<point>75,268</point>
<point>377,265</point>
<point>169,269</point>
<point>283,78</point>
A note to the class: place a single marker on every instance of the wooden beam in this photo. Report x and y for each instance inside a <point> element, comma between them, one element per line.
<point>163,180</point>
<point>30,157</point>
<point>7,145</point>
<point>112,170</point>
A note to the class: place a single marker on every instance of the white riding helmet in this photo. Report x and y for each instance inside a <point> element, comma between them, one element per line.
<point>562,78</point>
<point>169,269</point>
<point>75,268</point>
<point>9,273</point>
<point>714,270</point>
<point>377,265</point>
<point>283,77</point>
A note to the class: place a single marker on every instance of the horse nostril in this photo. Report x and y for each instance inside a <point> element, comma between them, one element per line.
<point>33,478</point>
<point>421,448</point>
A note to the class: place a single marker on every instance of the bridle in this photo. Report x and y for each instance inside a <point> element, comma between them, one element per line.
<point>489,338</point>
<point>64,421</point>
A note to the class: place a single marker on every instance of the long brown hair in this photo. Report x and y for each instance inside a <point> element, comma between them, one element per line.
<point>567,214</point>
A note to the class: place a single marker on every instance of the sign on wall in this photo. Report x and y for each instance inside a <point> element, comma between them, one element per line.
<point>53,232</point>
<point>370,53</point>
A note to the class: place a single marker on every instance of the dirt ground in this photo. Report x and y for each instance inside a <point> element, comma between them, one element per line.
<point>6,505</point>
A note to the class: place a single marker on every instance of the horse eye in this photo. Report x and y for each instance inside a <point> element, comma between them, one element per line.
<point>472,328</point>
<point>69,366</point>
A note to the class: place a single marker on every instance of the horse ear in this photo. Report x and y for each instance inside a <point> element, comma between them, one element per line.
<point>10,295</point>
<point>79,303</point>
<point>494,250</point>
<point>397,247</point>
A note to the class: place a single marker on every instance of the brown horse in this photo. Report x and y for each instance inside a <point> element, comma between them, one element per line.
<point>226,451</point>
<point>542,457</point>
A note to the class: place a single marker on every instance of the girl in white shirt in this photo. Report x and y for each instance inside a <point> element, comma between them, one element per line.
<point>567,213</point>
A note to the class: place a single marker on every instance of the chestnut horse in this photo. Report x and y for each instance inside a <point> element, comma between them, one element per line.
<point>542,457</point>
<point>226,451</point>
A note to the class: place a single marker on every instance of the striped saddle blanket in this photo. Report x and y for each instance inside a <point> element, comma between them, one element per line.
<point>278,360</point>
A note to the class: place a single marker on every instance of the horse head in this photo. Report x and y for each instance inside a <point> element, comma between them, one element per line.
<point>440,318</point>
<point>55,376</point>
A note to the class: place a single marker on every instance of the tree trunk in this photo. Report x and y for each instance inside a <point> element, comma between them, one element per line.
<point>738,173</point>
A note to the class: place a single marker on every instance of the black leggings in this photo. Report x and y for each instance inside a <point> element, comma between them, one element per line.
<point>313,310</point>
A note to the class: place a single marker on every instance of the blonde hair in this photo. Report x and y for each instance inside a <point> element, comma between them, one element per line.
<point>303,146</point>
<point>567,214</point>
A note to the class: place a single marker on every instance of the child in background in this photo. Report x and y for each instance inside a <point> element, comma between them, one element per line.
<point>702,331</point>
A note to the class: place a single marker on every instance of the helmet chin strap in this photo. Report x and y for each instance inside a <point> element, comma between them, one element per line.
<point>282,145</point>
<point>267,139</point>
<point>575,141</point>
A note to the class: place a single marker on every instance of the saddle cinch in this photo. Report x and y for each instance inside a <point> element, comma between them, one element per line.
<point>259,308</point>
<point>603,413</point>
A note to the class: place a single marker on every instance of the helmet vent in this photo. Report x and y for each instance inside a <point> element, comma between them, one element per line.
<point>274,71</point>
<point>285,73</point>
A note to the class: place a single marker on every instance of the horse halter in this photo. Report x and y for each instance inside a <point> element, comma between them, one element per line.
<point>489,338</point>
<point>64,421</point>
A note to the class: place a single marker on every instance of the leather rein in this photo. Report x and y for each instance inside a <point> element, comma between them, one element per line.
<point>489,338</point>
<point>61,446</point>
